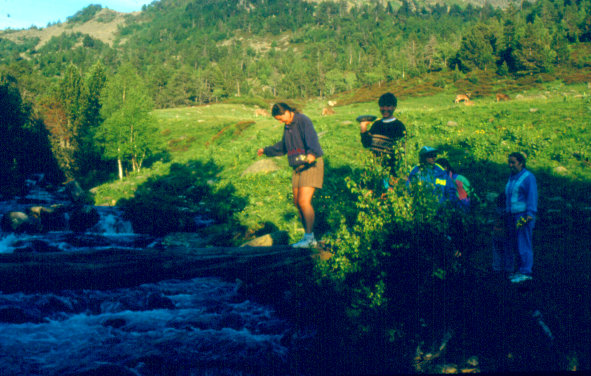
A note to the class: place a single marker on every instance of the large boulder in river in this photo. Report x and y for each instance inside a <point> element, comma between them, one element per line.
<point>51,218</point>
<point>19,222</point>
<point>78,195</point>
<point>83,217</point>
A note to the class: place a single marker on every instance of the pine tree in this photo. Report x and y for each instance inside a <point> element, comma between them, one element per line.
<point>476,50</point>
<point>534,53</point>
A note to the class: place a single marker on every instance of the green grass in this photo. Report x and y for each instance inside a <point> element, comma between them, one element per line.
<point>549,123</point>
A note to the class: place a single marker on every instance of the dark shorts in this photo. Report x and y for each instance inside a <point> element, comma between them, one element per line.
<point>310,177</point>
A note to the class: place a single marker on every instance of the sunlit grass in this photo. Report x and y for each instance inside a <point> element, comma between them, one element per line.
<point>550,124</point>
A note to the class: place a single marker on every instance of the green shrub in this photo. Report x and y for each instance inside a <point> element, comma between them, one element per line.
<point>397,238</point>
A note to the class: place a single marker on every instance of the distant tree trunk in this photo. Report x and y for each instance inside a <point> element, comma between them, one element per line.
<point>120,165</point>
<point>134,164</point>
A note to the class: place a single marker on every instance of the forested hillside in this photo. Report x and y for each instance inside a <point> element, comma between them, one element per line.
<point>192,52</point>
<point>189,52</point>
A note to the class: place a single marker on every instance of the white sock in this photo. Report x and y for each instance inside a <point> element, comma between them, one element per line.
<point>309,235</point>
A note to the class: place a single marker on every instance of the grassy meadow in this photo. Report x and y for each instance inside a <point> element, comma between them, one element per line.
<point>550,124</point>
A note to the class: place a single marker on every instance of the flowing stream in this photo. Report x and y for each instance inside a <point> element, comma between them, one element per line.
<point>201,326</point>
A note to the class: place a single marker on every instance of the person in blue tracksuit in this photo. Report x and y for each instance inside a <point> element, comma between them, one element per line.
<point>521,207</point>
<point>430,172</point>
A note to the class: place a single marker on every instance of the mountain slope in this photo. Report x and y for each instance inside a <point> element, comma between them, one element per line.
<point>103,26</point>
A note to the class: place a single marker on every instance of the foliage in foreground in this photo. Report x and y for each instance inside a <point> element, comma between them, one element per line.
<point>398,244</point>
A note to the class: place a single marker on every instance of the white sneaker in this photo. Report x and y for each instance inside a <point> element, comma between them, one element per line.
<point>306,242</point>
<point>518,278</point>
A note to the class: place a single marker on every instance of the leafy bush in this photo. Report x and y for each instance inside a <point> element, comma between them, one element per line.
<point>399,249</point>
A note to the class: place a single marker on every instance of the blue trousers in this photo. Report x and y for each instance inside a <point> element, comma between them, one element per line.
<point>519,241</point>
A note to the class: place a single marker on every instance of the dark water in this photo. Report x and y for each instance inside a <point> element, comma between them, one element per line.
<point>201,326</point>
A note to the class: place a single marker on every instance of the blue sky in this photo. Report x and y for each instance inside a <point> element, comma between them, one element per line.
<point>22,14</point>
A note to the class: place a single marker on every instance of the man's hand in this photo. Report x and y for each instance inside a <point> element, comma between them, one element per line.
<point>363,126</point>
<point>260,152</point>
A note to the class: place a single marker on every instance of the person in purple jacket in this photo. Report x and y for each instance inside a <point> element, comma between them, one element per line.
<point>304,154</point>
<point>521,207</point>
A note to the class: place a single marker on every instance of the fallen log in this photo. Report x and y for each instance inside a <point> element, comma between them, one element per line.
<point>117,268</point>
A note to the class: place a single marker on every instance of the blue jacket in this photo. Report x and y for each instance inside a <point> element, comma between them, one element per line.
<point>444,186</point>
<point>522,194</point>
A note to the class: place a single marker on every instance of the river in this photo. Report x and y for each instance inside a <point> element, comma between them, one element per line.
<point>202,326</point>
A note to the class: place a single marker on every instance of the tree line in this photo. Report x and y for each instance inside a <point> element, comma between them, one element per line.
<point>84,127</point>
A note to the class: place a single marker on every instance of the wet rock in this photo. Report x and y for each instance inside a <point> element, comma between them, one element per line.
<point>34,245</point>
<point>83,217</point>
<point>473,361</point>
<point>115,323</point>
<point>51,218</point>
<point>268,240</point>
<point>158,301</point>
<point>449,369</point>
<point>76,194</point>
<point>232,321</point>
<point>49,304</point>
<point>86,240</point>
<point>19,222</point>
<point>14,315</point>
<point>470,370</point>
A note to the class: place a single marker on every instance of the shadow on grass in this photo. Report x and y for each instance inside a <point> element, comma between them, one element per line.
<point>186,199</point>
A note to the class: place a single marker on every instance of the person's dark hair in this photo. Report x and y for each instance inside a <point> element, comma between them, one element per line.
<point>387,99</point>
<point>281,108</point>
<point>520,157</point>
<point>443,162</point>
